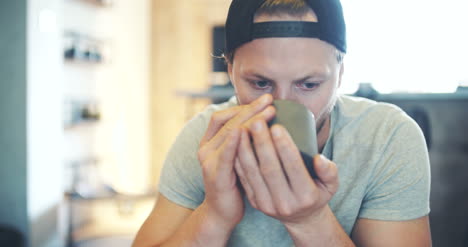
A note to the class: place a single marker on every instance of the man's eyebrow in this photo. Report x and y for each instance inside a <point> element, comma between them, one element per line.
<point>311,76</point>
<point>307,77</point>
<point>259,76</point>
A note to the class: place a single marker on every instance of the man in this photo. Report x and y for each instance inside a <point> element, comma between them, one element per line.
<point>230,180</point>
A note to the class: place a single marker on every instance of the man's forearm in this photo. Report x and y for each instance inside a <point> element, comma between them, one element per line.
<point>201,229</point>
<point>325,232</point>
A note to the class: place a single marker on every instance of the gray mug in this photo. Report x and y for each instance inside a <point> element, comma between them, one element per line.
<point>300,123</point>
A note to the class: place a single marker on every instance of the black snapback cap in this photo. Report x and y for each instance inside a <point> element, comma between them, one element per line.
<point>240,26</point>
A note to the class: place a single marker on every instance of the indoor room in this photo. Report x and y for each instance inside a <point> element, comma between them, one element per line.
<point>117,116</point>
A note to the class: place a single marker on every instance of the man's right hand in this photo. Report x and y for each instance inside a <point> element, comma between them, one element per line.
<point>210,224</point>
<point>217,153</point>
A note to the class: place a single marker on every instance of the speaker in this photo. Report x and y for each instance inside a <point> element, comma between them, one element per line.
<point>11,237</point>
<point>443,119</point>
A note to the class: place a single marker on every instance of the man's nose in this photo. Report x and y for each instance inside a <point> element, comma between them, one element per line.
<point>283,94</point>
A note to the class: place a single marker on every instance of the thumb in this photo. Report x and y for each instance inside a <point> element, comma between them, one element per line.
<point>327,172</point>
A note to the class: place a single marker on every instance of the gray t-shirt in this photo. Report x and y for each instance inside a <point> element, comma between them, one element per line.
<point>382,161</point>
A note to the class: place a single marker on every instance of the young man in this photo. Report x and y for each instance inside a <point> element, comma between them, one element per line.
<point>373,175</point>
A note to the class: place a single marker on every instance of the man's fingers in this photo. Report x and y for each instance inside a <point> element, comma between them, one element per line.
<point>291,159</point>
<point>249,165</point>
<point>266,115</point>
<point>256,111</point>
<point>269,163</point>
<point>237,116</point>
<point>327,173</point>
<point>239,120</point>
<point>217,121</point>
<point>227,154</point>
<point>243,180</point>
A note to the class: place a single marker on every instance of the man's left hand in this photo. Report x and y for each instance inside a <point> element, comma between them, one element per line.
<point>276,180</point>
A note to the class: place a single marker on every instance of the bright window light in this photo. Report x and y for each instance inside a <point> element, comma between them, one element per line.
<point>417,46</point>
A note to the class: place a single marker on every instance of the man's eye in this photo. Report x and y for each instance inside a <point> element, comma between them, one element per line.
<point>308,85</point>
<point>262,84</point>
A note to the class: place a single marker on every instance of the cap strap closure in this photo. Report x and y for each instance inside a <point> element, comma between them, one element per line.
<point>286,29</point>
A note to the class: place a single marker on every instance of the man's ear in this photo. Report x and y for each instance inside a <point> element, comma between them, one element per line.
<point>229,70</point>
<point>341,73</point>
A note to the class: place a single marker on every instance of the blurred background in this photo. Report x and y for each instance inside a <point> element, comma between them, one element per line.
<point>94,92</point>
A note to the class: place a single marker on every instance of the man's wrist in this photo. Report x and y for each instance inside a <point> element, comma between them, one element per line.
<point>323,229</point>
<point>214,224</point>
<point>306,223</point>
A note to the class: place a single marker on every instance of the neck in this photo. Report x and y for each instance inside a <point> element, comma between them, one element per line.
<point>322,135</point>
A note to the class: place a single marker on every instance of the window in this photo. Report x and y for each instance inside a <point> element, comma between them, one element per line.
<point>406,45</point>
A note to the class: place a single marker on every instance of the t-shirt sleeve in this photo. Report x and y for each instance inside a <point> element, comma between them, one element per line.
<point>181,178</point>
<point>400,184</point>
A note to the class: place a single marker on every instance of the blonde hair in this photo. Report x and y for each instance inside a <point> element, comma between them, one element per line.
<point>280,7</point>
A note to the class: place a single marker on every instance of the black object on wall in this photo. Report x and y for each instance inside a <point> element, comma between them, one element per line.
<point>443,119</point>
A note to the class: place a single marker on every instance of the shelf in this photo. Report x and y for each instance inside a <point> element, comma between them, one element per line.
<point>111,196</point>
<point>83,48</point>
<point>215,93</point>
<point>99,3</point>
<point>77,113</point>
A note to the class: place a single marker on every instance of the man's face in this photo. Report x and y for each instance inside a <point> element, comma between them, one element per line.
<point>303,70</point>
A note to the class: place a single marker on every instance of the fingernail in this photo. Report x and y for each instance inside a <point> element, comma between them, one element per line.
<point>323,162</point>
<point>268,111</point>
<point>265,99</point>
<point>276,132</point>
<point>257,126</point>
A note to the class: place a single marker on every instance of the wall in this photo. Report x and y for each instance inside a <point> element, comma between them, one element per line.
<point>181,52</point>
<point>123,137</point>
<point>35,81</point>
<point>44,123</point>
<point>13,150</point>
<point>120,140</point>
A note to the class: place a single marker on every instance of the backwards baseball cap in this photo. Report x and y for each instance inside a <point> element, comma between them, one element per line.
<point>240,26</point>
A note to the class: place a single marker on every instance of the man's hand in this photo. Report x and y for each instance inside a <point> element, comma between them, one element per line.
<point>276,180</point>
<point>218,149</point>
